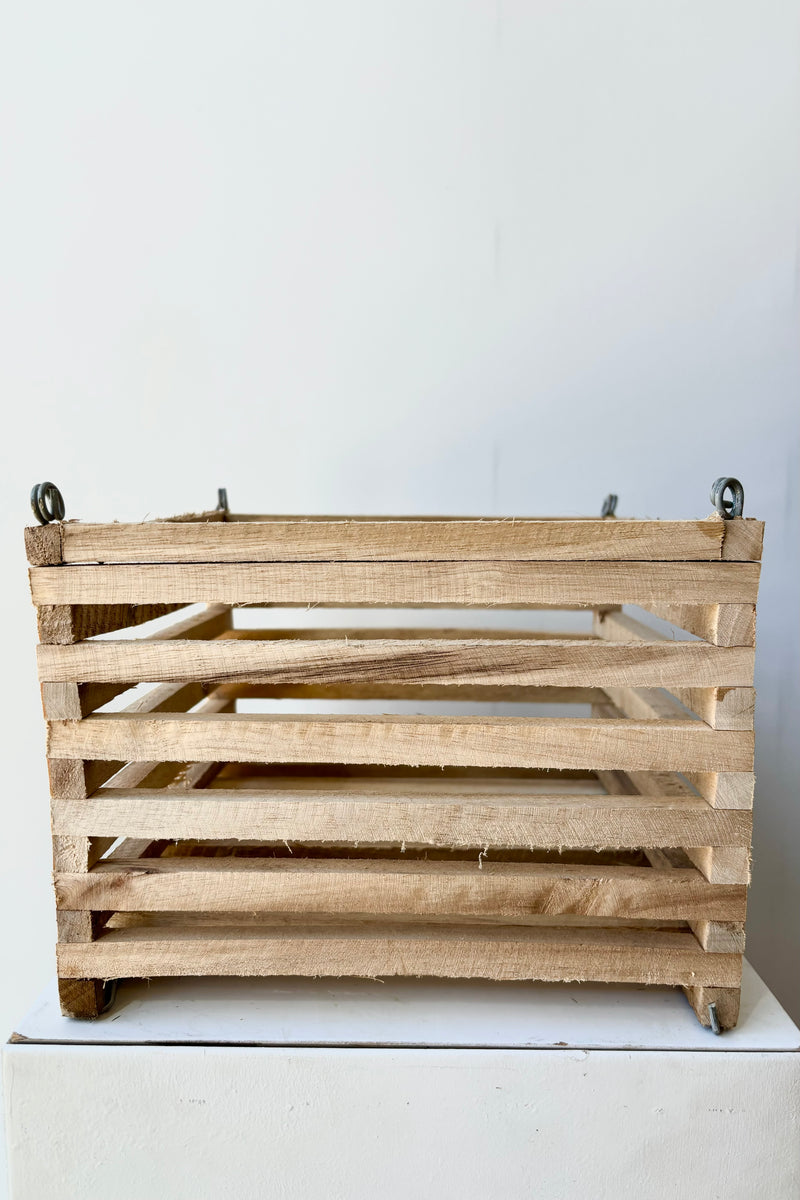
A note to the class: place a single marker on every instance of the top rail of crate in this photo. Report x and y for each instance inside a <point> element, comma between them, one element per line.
<point>218,537</point>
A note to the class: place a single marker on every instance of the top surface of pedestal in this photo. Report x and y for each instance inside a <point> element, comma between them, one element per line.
<point>411,1012</point>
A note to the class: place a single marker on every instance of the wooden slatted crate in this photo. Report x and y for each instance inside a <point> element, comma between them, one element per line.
<point>610,844</point>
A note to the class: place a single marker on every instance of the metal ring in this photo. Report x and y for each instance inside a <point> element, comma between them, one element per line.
<point>728,506</point>
<point>609,505</point>
<point>47,503</point>
<point>222,500</point>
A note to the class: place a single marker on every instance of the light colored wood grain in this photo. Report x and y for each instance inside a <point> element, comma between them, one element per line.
<point>719,864</point>
<point>372,950</point>
<point>722,864</point>
<point>410,812</point>
<point>721,706</point>
<point>70,701</point>
<point>78,778</point>
<point>44,544</point>
<point>64,623</point>
<point>719,937</point>
<point>726,999</point>
<point>307,540</point>
<point>82,999</point>
<point>545,742</point>
<point>646,704</point>
<point>477,693</point>
<point>743,539</point>
<point>530,663</point>
<point>730,622</point>
<point>418,888</point>
<point>497,584</point>
<point>724,789</point>
<point>209,515</point>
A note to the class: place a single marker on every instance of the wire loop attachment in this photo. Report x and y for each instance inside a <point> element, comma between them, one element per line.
<point>47,503</point>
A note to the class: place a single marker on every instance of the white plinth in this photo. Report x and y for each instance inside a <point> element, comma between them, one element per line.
<point>306,1089</point>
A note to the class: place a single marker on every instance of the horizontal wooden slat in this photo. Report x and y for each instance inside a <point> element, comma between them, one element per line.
<point>418,813</point>
<point>308,540</point>
<point>499,584</point>
<point>551,662</point>
<point>488,889</point>
<point>477,693</point>
<point>722,706</point>
<point>547,742</point>
<point>63,700</point>
<point>166,947</point>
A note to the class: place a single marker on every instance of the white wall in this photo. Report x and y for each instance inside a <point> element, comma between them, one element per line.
<point>401,256</point>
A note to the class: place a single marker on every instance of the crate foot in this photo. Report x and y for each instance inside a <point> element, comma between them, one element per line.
<point>85,999</point>
<point>725,1001</point>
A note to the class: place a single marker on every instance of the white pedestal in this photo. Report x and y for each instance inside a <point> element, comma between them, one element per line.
<point>343,1090</point>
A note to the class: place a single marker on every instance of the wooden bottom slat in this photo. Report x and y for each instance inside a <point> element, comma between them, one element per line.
<point>153,947</point>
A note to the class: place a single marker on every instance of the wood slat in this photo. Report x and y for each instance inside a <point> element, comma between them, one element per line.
<point>476,693</point>
<point>164,947</point>
<point>307,539</point>
<point>495,662</point>
<point>545,742</point>
<point>66,701</point>
<point>496,584</point>
<point>724,624</point>
<point>718,864</point>
<point>721,706</point>
<point>418,888</point>
<point>64,623</point>
<point>404,812</point>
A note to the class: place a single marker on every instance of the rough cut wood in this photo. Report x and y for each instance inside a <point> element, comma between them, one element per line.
<point>742,539</point>
<point>723,624</point>
<point>341,844</point>
<point>415,740</point>
<point>404,812</point>
<point>552,661</point>
<point>307,540</point>
<point>724,789</point>
<point>476,692</point>
<point>64,623</point>
<point>726,1000</point>
<point>386,886</point>
<point>497,584</point>
<point>82,999</point>
<point>371,949</point>
<point>718,863</point>
<point>43,544</point>
<point>715,936</point>
<point>720,937</point>
<point>721,706</point>
<point>65,700</point>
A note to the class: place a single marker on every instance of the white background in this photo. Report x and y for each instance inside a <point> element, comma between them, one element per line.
<point>418,256</point>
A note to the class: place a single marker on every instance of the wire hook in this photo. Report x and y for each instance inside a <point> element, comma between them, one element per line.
<point>47,503</point>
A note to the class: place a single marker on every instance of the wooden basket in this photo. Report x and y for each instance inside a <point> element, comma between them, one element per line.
<point>613,845</point>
